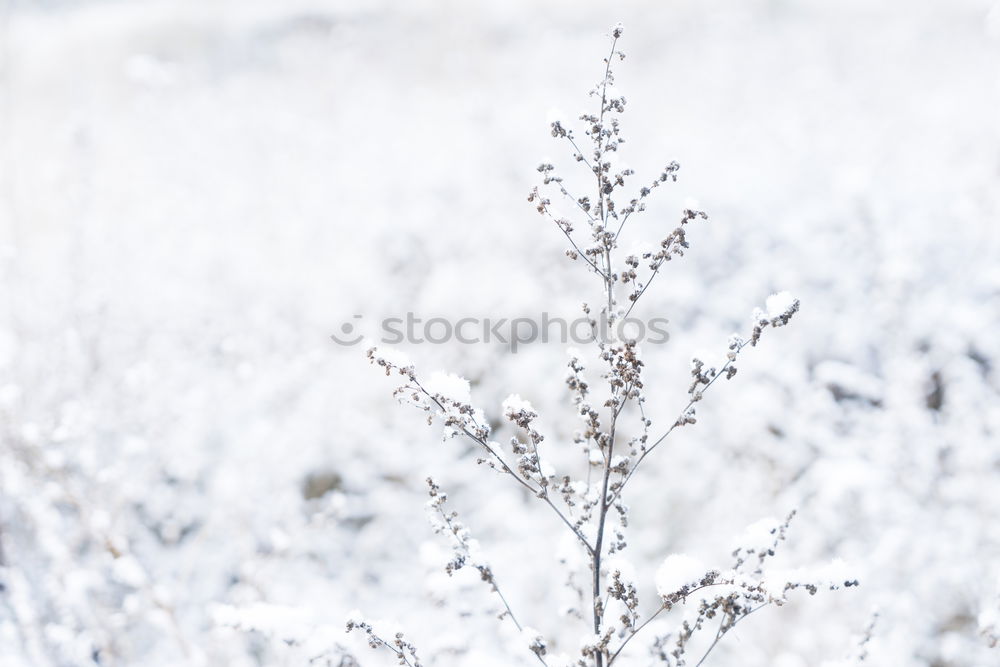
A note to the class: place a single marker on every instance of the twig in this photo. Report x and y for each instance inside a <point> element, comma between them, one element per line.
<point>720,633</point>
<point>507,469</point>
<point>634,633</point>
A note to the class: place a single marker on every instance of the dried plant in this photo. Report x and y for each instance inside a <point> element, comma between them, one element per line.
<point>593,509</point>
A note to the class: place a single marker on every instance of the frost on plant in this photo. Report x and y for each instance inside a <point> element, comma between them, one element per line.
<point>699,603</point>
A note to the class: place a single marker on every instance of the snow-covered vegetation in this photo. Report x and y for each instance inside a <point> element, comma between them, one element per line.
<point>194,196</point>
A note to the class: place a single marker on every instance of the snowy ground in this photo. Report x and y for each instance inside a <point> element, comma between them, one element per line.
<point>194,195</point>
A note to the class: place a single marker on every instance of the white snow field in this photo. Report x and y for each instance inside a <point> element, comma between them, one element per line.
<point>195,194</point>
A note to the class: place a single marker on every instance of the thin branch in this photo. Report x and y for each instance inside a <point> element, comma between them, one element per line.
<point>721,633</point>
<point>577,248</point>
<point>645,287</point>
<point>507,469</point>
<point>634,633</point>
<point>622,225</point>
<point>677,422</point>
<point>609,286</point>
<point>492,577</point>
<point>583,158</point>
<point>399,653</point>
<point>565,192</point>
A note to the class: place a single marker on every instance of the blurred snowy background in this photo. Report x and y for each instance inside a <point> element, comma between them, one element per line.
<point>195,194</point>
